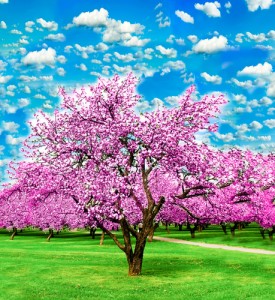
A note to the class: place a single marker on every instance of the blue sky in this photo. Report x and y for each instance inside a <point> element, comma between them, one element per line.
<point>220,46</point>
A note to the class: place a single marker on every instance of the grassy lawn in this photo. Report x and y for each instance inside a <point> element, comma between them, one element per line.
<point>248,237</point>
<point>72,266</point>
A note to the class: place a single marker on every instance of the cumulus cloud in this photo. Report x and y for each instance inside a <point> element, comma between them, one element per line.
<point>135,42</point>
<point>244,84</point>
<point>112,30</point>
<point>61,71</point>
<point>169,52</point>
<point>49,25</point>
<point>254,5</point>
<point>212,45</point>
<point>10,126</point>
<point>271,89</point>
<point>5,79</point>
<point>59,37</point>
<point>211,78</point>
<point>3,25</point>
<point>124,57</point>
<point>4,1</point>
<point>211,9</point>
<point>258,70</point>
<point>95,18</point>
<point>270,123</point>
<point>10,140</point>
<point>41,58</point>
<point>185,17</point>
<point>255,125</point>
<point>260,37</point>
<point>228,137</point>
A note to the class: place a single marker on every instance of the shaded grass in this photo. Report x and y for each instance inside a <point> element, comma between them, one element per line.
<point>248,237</point>
<point>72,266</point>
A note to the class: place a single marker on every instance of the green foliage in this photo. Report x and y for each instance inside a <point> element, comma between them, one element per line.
<point>73,266</point>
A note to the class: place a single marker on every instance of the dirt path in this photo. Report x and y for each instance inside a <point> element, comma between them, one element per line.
<point>215,246</point>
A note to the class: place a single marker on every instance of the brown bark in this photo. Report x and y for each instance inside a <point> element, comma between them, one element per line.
<point>224,228</point>
<point>102,238</point>
<point>14,233</point>
<point>135,258</point>
<point>50,235</point>
<point>152,232</point>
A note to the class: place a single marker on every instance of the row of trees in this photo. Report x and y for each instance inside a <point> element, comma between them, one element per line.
<point>97,162</point>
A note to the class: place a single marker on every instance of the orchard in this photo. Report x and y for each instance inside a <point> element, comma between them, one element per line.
<point>98,163</point>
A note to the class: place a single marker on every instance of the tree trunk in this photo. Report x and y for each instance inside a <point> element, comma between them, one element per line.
<point>270,234</point>
<point>152,232</point>
<point>262,233</point>
<point>223,225</point>
<point>180,227</point>
<point>50,235</point>
<point>92,232</point>
<point>192,231</point>
<point>167,227</point>
<point>14,233</point>
<point>135,259</point>
<point>102,238</point>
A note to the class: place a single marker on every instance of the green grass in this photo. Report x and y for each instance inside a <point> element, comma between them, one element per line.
<point>248,237</point>
<point>72,266</point>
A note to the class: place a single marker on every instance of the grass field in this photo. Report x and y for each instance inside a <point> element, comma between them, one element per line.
<point>248,237</point>
<point>72,266</point>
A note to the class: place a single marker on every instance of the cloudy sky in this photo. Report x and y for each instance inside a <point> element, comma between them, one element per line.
<point>220,46</point>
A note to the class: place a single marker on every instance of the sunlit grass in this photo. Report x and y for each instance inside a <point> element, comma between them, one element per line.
<point>73,266</point>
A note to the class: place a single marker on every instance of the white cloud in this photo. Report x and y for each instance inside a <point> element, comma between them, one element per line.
<point>29,25</point>
<point>253,5</point>
<point>3,25</point>
<point>124,57</point>
<point>135,42</point>
<point>96,61</point>
<point>82,67</point>
<point>61,59</point>
<point>227,6</point>
<point>39,96</point>
<point>59,37</point>
<point>3,65</point>
<point>265,138</point>
<point>10,140</point>
<point>258,70</point>
<point>42,57</point>
<point>239,37</point>
<point>15,31</point>
<point>211,9</point>
<point>175,65</point>
<point>169,52</point>
<point>10,126</point>
<point>159,5</point>
<point>256,37</point>
<point>96,18</point>
<point>271,34</point>
<point>271,111</point>
<point>185,17</point>
<point>192,38</point>
<point>265,101</point>
<point>244,84</point>
<point>61,71</point>
<point>5,79</point>
<point>101,47</point>
<point>211,78</point>
<point>271,89</point>
<point>22,102</point>
<point>4,1</point>
<point>50,25</point>
<point>212,45</point>
<point>270,123</point>
<point>255,125</point>
<point>240,98</point>
<point>228,137</point>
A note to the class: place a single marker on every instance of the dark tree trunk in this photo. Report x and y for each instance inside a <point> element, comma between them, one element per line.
<point>92,232</point>
<point>233,228</point>
<point>135,258</point>
<point>271,232</point>
<point>192,231</point>
<point>223,225</point>
<point>50,235</point>
<point>262,233</point>
<point>14,233</point>
<point>180,227</point>
<point>167,227</point>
